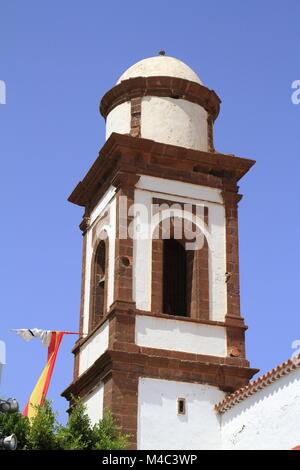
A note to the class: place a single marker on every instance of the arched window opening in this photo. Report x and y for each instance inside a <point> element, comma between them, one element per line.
<point>180,276</point>
<point>98,285</point>
<point>174,278</point>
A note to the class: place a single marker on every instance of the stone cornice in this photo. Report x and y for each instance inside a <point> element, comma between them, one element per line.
<point>128,308</point>
<point>217,371</point>
<point>231,198</point>
<point>172,87</point>
<point>132,155</point>
<point>237,322</point>
<point>85,223</point>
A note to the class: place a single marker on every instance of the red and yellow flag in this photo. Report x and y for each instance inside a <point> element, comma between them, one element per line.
<point>40,391</point>
<point>51,340</point>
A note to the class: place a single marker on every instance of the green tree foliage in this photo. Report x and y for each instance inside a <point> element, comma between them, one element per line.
<point>43,432</point>
<point>78,433</point>
<point>107,434</point>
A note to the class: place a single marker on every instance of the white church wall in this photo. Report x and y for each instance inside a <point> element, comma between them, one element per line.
<point>178,188</point>
<point>111,253</point>
<point>161,427</point>
<point>94,348</point>
<point>269,419</point>
<point>217,263</point>
<point>87,283</point>
<point>178,335</point>
<point>150,187</point>
<point>174,121</point>
<point>119,119</point>
<point>94,403</point>
<point>142,254</point>
<point>102,204</point>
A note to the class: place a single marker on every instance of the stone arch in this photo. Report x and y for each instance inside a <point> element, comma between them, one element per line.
<point>99,279</point>
<point>196,269</point>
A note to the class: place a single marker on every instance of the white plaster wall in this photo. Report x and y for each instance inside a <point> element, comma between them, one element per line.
<point>94,403</point>
<point>174,121</point>
<point>87,284</point>
<point>178,188</point>
<point>102,204</point>
<point>269,419</point>
<point>178,335</point>
<point>111,254</point>
<point>217,262</point>
<point>151,187</point>
<point>142,252</point>
<point>159,425</point>
<point>94,348</point>
<point>119,119</point>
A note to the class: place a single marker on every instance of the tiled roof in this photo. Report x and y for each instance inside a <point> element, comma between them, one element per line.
<point>258,384</point>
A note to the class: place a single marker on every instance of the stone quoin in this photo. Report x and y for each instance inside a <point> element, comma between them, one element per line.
<point>165,344</point>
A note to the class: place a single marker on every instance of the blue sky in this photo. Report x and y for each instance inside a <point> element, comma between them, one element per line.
<point>57,59</point>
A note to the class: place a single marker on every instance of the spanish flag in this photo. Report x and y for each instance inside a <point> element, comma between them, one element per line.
<point>52,340</point>
<point>40,390</point>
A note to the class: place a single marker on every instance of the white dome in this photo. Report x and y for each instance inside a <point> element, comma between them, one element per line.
<point>160,66</point>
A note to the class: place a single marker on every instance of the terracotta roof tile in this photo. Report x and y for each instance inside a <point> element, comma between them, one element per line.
<point>267,379</point>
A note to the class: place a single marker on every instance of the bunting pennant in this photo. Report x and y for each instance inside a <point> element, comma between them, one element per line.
<point>52,340</point>
<point>27,335</point>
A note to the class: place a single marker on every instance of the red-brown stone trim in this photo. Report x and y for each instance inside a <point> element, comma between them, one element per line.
<point>171,87</point>
<point>121,316</point>
<point>121,397</point>
<point>184,356</point>
<point>235,342</point>
<point>119,307</point>
<point>85,223</point>
<point>232,254</point>
<point>141,360</point>
<point>123,282</point>
<point>125,180</point>
<point>126,154</point>
<point>135,124</point>
<point>123,248</point>
<point>122,331</point>
<point>129,308</point>
<point>210,133</point>
<point>205,321</point>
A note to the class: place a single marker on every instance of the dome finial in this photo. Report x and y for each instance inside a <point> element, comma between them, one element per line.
<point>161,52</point>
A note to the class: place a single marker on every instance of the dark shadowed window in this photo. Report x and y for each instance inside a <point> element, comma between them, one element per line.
<point>98,285</point>
<point>174,278</point>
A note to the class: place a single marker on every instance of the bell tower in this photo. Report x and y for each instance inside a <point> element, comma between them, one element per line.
<point>160,273</point>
